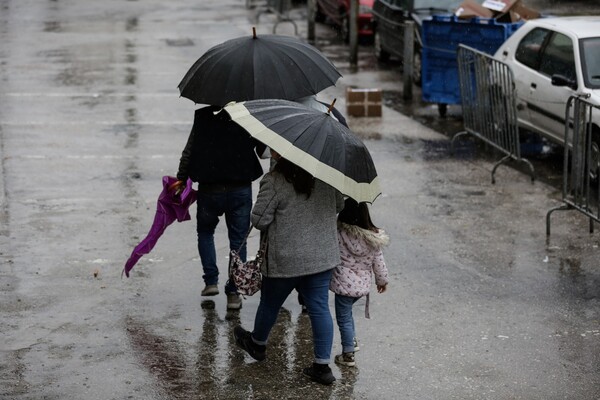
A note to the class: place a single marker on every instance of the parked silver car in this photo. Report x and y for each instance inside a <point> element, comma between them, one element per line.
<point>553,59</point>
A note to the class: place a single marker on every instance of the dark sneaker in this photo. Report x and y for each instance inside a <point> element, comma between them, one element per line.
<point>356,347</point>
<point>234,301</point>
<point>346,359</point>
<point>243,339</point>
<point>320,373</point>
<point>210,290</point>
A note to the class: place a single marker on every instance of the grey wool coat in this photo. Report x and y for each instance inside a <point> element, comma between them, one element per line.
<point>302,233</point>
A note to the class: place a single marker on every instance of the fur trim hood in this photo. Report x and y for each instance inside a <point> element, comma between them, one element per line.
<point>376,240</point>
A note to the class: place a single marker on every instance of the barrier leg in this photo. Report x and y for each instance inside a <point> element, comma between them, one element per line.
<point>563,207</point>
<point>497,165</point>
<point>453,138</point>
<point>531,169</point>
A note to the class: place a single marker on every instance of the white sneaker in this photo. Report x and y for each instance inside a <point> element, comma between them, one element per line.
<point>234,301</point>
<point>210,290</point>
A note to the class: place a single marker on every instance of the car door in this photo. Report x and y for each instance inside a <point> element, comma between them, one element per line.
<point>548,102</point>
<point>525,66</point>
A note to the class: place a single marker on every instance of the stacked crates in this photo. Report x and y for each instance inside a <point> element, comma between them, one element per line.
<point>441,37</point>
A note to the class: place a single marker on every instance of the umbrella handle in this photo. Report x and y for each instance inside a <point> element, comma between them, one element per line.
<point>331,106</point>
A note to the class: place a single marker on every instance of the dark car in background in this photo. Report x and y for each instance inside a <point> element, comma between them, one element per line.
<point>337,12</point>
<point>389,19</point>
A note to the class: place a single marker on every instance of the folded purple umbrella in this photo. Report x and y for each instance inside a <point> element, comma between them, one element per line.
<point>169,207</point>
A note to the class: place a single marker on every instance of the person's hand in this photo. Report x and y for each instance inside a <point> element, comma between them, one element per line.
<point>177,187</point>
<point>381,288</point>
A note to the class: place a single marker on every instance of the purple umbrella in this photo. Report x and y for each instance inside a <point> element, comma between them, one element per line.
<point>172,205</point>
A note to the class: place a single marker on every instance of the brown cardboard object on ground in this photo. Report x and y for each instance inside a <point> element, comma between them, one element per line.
<point>501,10</point>
<point>518,12</point>
<point>470,9</point>
<point>499,6</point>
<point>363,102</point>
<point>510,10</point>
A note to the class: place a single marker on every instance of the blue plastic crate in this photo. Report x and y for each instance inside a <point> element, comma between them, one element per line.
<point>441,36</point>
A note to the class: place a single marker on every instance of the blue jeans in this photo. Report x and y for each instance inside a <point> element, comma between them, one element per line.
<point>315,292</point>
<point>236,205</point>
<point>345,321</point>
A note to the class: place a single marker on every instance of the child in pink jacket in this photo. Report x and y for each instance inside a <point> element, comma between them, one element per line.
<point>361,244</point>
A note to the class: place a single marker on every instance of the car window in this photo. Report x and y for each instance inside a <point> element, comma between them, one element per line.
<point>590,59</point>
<point>530,47</point>
<point>558,57</point>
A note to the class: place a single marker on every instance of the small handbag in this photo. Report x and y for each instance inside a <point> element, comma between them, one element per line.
<point>246,276</point>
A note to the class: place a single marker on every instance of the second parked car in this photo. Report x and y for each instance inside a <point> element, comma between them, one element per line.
<point>338,13</point>
<point>389,19</point>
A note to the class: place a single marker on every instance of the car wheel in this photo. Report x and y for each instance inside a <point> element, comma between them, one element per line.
<point>417,65</point>
<point>380,53</point>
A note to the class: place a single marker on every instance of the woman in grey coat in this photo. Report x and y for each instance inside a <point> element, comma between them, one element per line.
<point>298,213</point>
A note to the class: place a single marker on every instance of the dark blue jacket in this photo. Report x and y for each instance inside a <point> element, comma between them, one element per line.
<point>219,151</point>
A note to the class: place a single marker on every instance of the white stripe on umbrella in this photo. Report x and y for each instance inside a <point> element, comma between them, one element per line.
<point>359,191</point>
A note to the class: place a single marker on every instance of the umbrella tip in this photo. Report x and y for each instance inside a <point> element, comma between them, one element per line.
<point>331,106</point>
<point>253,32</point>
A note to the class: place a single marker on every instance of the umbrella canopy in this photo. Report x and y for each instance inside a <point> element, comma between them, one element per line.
<point>314,141</point>
<point>171,205</point>
<point>258,67</point>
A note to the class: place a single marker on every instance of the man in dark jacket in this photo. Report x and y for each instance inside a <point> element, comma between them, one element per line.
<point>222,157</point>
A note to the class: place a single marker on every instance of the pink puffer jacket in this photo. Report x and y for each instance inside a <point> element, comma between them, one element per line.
<point>361,254</point>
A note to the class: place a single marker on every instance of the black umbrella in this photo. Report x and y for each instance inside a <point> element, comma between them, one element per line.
<point>258,67</point>
<point>314,141</point>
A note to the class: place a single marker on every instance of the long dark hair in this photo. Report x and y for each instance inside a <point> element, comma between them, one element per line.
<point>355,213</point>
<point>302,181</point>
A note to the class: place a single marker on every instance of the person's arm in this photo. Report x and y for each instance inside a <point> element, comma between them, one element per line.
<point>184,161</point>
<point>380,271</point>
<point>263,212</point>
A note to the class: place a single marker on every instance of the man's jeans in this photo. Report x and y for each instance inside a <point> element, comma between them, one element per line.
<point>315,293</point>
<point>345,321</point>
<point>236,204</point>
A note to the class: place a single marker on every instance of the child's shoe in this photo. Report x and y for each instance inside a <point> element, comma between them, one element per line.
<point>346,359</point>
<point>356,347</point>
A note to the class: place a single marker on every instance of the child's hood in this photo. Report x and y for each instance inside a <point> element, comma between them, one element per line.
<point>366,237</point>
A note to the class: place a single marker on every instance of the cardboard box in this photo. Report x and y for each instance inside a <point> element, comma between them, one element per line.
<point>501,10</point>
<point>471,9</point>
<point>518,12</point>
<point>363,102</point>
<point>499,6</point>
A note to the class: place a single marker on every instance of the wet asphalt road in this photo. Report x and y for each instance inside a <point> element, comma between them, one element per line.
<point>481,305</point>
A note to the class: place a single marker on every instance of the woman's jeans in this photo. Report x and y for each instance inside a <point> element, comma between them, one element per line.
<point>236,204</point>
<point>315,292</point>
<point>345,321</point>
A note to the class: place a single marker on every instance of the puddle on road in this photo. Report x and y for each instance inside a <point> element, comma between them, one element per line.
<point>217,368</point>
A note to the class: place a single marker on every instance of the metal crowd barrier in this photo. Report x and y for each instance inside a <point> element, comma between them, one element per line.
<point>489,104</point>
<point>581,180</point>
<point>281,9</point>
